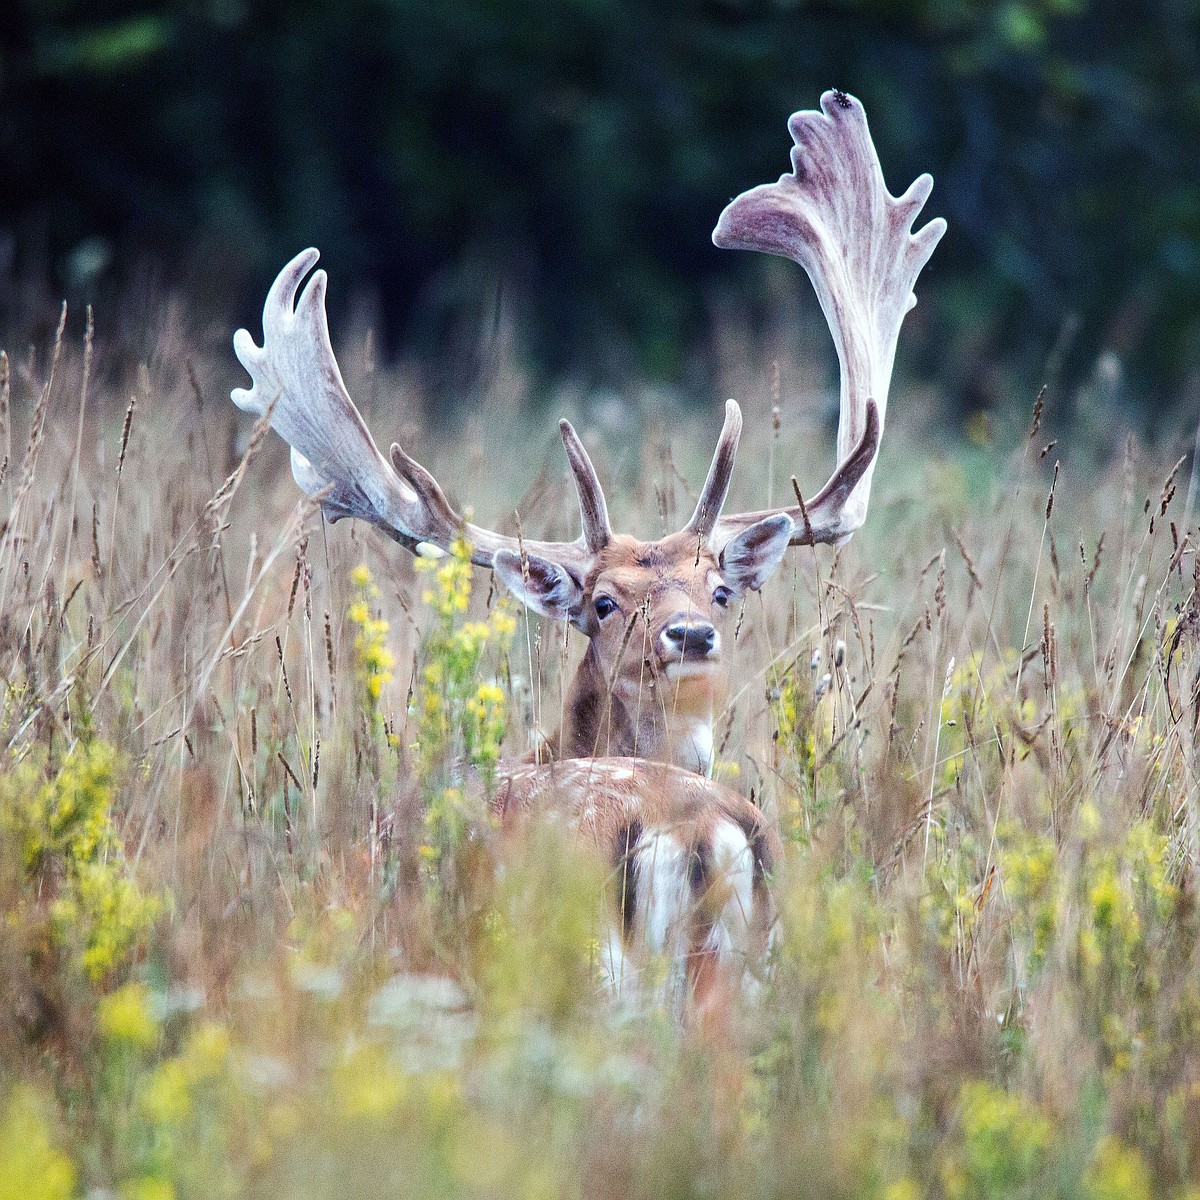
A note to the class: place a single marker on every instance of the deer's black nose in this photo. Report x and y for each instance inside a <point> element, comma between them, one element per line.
<point>689,639</point>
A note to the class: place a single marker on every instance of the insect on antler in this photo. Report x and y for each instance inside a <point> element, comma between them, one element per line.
<point>835,217</point>
<point>296,371</point>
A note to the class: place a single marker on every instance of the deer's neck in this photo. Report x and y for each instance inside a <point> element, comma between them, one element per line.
<point>644,717</point>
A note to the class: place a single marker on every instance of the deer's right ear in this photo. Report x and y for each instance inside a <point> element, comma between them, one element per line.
<point>548,588</point>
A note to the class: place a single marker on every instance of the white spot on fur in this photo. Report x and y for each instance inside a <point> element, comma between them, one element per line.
<point>665,902</point>
<point>733,869</point>
<point>660,864</point>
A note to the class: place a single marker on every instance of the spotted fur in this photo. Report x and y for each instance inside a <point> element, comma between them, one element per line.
<point>689,864</point>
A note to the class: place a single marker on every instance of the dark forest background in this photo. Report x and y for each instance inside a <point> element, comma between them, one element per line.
<point>565,160</point>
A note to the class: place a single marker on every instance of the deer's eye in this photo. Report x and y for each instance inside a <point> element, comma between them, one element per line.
<point>605,606</point>
<point>722,597</point>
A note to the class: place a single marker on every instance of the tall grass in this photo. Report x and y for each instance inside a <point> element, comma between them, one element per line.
<point>259,939</point>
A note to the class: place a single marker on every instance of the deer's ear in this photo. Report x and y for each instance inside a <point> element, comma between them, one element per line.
<point>749,559</point>
<point>549,589</point>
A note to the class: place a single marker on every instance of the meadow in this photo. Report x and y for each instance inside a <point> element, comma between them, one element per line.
<point>260,940</point>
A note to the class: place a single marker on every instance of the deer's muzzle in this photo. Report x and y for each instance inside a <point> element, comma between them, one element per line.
<point>688,639</point>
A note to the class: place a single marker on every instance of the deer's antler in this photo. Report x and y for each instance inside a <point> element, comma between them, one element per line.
<point>296,375</point>
<point>716,485</point>
<point>834,216</point>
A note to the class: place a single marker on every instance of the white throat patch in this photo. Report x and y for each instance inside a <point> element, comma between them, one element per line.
<point>692,746</point>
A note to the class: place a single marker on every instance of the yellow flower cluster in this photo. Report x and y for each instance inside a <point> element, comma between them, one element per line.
<point>980,695</point>
<point>448,814</point>
<point>461,719</point>
<point>795,711</point>
<point>124,1017</point>
<point>373,660</point>
<point>450,592</point>
<point>948,903</point>
<point>367,1084</point>
<point>32,1168</point>
<point>67,816</point>
<point>62,827</point>
<point>1115,891</point>
<point>1118,1173</point>
<point>170,1096</point>
<point>457,714</point>
<point>169,1091</point>
<point>1029,865</point>
<point>794,707</point>
<point>484,724</point>
<point>1127,887</point>
<point>1002,1146</point>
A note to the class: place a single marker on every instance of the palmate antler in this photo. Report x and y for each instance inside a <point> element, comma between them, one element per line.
<point>295,371</point>
<point>834,216</point>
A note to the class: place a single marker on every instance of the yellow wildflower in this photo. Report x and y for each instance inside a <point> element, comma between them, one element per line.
<point>1118,1173</point>
<point>367,1084</point>
<point>33,1169</point>
<point>124,1016</point>
<point>65,818</point>
<point>373,660</point>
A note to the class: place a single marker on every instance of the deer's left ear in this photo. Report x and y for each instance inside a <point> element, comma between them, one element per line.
<point>549,588</point>
<point>749,559</point>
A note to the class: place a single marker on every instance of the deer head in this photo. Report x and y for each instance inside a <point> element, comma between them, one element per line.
<point>653,611</point>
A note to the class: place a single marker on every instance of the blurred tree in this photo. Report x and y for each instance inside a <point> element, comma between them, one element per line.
<point>577,152</point>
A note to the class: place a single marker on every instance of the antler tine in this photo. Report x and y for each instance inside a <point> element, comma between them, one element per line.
<point>834,216</point>
<point>295,373</point>
<point>296,376</point>
<point>593,508</point>
<point>716,486</point>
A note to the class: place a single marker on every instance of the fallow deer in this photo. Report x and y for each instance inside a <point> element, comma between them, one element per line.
<point>630,763</point>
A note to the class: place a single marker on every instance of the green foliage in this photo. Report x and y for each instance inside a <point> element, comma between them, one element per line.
<point>114,48</point>
<point>572,158</point>
<point>540,948</point>
<point>1003,1148</point>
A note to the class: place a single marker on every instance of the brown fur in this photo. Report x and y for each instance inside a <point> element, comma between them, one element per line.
<point>622,701</point>
<point>615,802</point>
